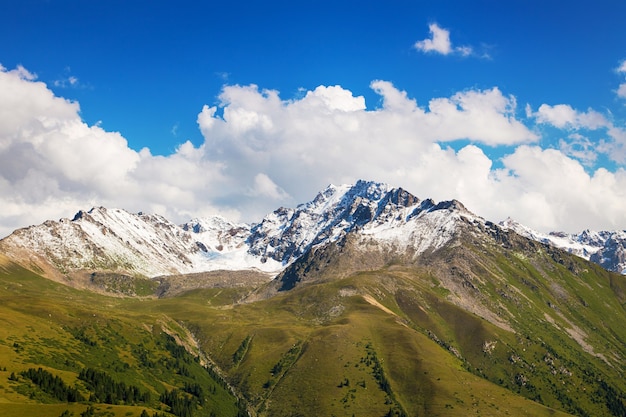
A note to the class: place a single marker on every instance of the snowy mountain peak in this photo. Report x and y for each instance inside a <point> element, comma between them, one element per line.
<point>605,248</point>
<point>358,198</point>
<point>342,195</point>
<point>373,209</point>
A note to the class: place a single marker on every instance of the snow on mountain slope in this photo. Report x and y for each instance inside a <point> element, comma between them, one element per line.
<point>218,235</point>
<point>150,245</point>
<point>224,246</point>
<point>391,216</point>
<point>425,227</point>
<point>612,255</point>
<point>108,239</point>
<point>606,248</point>
<point>142,244</point>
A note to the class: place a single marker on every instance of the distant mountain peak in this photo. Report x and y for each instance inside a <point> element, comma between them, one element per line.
<point>606,248</point>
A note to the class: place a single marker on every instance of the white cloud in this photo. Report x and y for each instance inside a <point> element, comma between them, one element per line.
<point>69,81</point>
<point>564,116</point>
<point>579,147</point>
<point>464,50</point>
<point>23,73</point>
<point>314,141</point>
<point>261,152</point>
<point>440,43</point>
<point>393,99</point>
<point>616,147</point>
<point>555,192</point>
<point>334,98</point>
<point>265,187</point>
<point>483,116</point>
<point>53,164</point>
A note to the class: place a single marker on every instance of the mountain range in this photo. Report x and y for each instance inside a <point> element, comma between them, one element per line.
<point>149,245</point>
<point>364,301</point>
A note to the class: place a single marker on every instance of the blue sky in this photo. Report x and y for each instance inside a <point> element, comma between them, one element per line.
<point>516,108</point>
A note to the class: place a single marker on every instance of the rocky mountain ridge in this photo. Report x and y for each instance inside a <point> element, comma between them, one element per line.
<point>149,245</point>
<point>606,248</point>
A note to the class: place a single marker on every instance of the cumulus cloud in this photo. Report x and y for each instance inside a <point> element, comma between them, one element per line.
<point>615,148</point>
<point>328,136</point>
<point>440,43</point>
<point>559,193</point>
<point>52,163</point>
<point>264,187</point>
<point>564,116</point>
<point>262,151</point>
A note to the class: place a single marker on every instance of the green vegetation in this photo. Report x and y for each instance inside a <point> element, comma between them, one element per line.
<point>498,327</point>
<point>241,350</point>
<point>105,390</point>
<point>383,383</point>
<point>70,352</point>
<point>52,385</point>
<point>180,404</point>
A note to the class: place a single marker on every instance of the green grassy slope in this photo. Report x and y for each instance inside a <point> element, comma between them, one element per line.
<point>63,331</point>
<point>489,327</point>
<point>326,350</point>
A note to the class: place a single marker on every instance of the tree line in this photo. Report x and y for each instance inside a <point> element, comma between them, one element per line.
<point>52,385</point>
<point>103,388</point>
<point>106,390</point>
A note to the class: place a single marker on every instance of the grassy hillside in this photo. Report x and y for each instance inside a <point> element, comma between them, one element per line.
<point>492,327</point>
<point>64,331</point>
